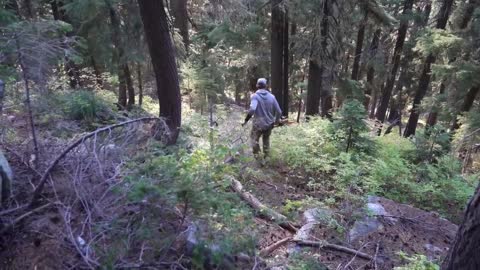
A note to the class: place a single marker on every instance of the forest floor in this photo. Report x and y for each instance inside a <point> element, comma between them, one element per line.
<point>403,228</point>
<point>400,227</point>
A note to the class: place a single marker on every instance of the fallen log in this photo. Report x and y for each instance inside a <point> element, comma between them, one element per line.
<point>268,250</point>
<point>326,245</point>
<point>262,210</point>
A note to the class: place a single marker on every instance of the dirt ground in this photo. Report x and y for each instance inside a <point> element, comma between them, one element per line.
<point>406,229</point>
<point>411,230</point>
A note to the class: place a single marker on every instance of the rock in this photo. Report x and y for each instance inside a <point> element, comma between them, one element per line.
<point>432,248</point>
<point>433,252</point>
<point>11,118</point>
<point>364,227</point>
<point>311,218</point>
<point>6,178</point>
<point>370,222</point>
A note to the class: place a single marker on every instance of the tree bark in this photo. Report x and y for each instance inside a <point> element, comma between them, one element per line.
<point>122,88</point>
<point>467,105</point>
<point>286,56</point>
<point>163,59</point>
<point>433,115</point>
<point>117,54</point>
<point>277,42</point>
<point>424,82</point>
<point>140,85</point>
<point>464,253</point>
<point>467,16</point>
<point>30,13</point>
<point>371,70</point>
<point>129,85</point>
<point>326,75</point>
<point>70,67</point>
<point>359,47</point>
<point>373,104</point>
<point>180,19</point>
<point>96,70</point>
<point>13,6</point>
<point>313,89</point>
<point>387,91</point>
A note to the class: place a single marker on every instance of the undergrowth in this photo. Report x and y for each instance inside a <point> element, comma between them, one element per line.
<point>420,171</point>
<point>193,181</point>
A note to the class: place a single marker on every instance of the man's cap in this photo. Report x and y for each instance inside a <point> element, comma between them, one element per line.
<point>262,81</point>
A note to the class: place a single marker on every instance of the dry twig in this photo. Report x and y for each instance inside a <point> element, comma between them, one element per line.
<point>268,250</point>
<point>38,191</point>
<point>262,209</point>
<point>326,245</point>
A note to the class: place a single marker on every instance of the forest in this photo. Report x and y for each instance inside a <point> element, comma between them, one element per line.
<point>240,134</point>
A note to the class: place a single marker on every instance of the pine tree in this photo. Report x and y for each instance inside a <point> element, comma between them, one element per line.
<point>424,81</point>
<point>163,59</point>
<point>464,252</point>
<point>387,91</point>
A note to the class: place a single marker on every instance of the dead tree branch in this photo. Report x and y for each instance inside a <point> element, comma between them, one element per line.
<point>326,245</point>
<point>38,190</point>
<point>22,217</point>
<point>268,250</point>
<point>263,211</point>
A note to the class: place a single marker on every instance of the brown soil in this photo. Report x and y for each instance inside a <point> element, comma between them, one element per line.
<point>414,231</point>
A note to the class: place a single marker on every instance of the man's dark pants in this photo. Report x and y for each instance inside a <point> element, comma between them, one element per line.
<point>255,137</point>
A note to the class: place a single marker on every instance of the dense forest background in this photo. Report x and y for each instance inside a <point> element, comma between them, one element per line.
<point>122,145</point>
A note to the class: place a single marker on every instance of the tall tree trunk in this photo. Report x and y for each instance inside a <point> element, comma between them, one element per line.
<point>371,70</point>
<point>117,54</point>
<point>96,70</point>
<point>70,67</point>
<point>424,82</point>
<point>122,89</point>
<point>467,16</point>
<point>433,115</point>
<point>387,91</point>
<point>464,253</point>
<point>396,104</point>
<point>346,63</point>
<point>359,47</point>
<point>313,89</point>
<point>293,33</point>
<point>13,6</point>
<point>373,104</point>
<point>130,89</point>
<point>180,19</point>
<point>277,50</point>
<point>29,10</point>
<point>28,103</point>
<point>140,85</point>
<point>326,73</point>
<point>466,106</point>
<point>472,93</point>
<point>286,57</point>
<point>162,53</point>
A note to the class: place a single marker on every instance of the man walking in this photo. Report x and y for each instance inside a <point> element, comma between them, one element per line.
<point>266,112</point>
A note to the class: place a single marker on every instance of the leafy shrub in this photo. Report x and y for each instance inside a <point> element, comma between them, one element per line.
<point>431,143</point>
<point>305,261</point>
<point>398,169</point>
<point>417,262</point>
<point>304,147</point>
<point>349,127</point>
<point>196,181</point>
<point>83,105</point>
